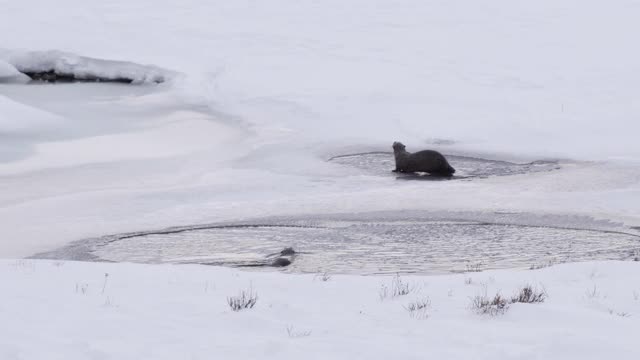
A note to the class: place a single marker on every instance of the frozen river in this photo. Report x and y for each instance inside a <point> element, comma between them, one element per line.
<point>113,172</point>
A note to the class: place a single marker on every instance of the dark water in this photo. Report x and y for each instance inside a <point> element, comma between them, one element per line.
<point>367,244</point>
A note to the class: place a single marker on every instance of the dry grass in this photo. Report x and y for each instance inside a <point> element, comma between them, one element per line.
<point>529,295</point>
<point>498,305</point>
<point>322,277</point>
<point>398,288</point>
<point>484,305</point>
<point>592,293</point>
<point>245,300</point>
<point>419,308</point>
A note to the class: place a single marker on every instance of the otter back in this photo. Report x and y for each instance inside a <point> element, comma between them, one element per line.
<point>429,161</point>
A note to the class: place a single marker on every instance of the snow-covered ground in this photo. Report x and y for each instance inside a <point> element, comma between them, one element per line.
<point>68,310</point>
<point>256,96</point>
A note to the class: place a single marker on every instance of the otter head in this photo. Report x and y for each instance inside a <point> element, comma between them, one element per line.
<point>398,146</point>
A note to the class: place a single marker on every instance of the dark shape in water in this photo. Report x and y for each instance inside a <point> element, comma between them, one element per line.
<point>429,161</point>
<point>283,258</point>
<point>281,262</point>
<point>52,76</point>
<point>278,262</point>
<point>287,251</point>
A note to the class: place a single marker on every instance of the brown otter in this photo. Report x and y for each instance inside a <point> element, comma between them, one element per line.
<point>429,161</point>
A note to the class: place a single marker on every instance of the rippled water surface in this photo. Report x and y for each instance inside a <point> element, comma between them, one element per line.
<point>381,163</point>
<point>366,247</point>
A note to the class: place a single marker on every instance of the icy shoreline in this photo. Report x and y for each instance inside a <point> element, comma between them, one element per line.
<point>75,310</point>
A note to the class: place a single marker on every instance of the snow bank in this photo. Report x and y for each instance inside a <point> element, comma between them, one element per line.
<point>18,120</point>
<point>76,67</point>
<point>9,74</point>
<point>68,310</point>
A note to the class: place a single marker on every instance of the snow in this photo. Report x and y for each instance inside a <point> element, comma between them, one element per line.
<point>499,77</point>
<point>256,97</point>
<point>69,310</point>
<point>83,67</point>
<point>9,74</point>
<point>20,120</point>
<point>168,140</point>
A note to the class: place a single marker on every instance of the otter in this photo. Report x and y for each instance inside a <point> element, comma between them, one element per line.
<point>283,258</point>
<point>429,161</point>
<point>277,262</point>
<point>281,262</point>
<point>288,251</point>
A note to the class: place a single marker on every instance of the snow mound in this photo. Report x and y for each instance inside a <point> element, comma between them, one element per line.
<point>57,65</point>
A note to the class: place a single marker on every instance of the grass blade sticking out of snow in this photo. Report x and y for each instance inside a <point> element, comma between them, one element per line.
<point>398,288</point>
<point>419,308</point>
<point>484,305</point>
<point>529,295</point>
<point>245,300</point>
